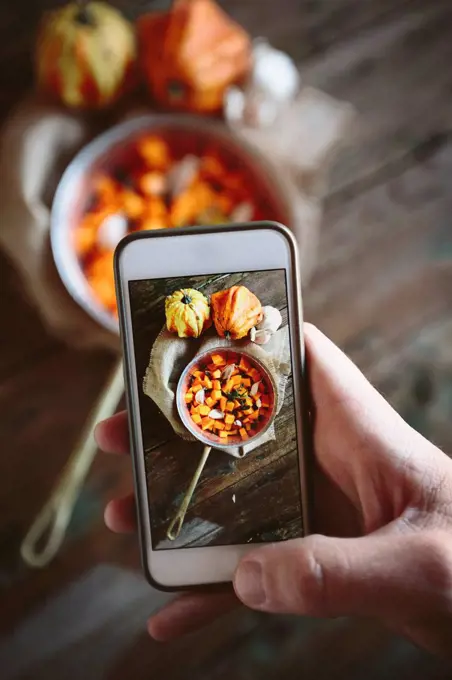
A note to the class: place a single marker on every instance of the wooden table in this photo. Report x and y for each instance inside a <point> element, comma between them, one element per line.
<point>382,290</point>
<point>232,492</point>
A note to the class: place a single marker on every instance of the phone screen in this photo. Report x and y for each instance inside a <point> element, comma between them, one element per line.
<point>214,368</point>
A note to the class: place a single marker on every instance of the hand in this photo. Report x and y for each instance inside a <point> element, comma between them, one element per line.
<point>399,569</point>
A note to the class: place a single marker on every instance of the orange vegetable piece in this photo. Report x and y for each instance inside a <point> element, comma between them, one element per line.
<point>216,394</point>
<point>188,397</point>
<point>152,183</point>
<point>204,410</point>
<point>216,374</point>
<point>196,418</point>
<point>223,433</point>
<point>208,383</point>
<point>246,382</point>
<point>196,387</point>
<point>254,375</point>
<point>218,360</point>
<point>229,406</point>
<point>223,402</point>
<point>217,385</point>
<point>229,419</point>
<point>265,402</point>
<point>244,365</point>
<point>133,204</point>
<point>206,423</point>
<point>243,433</point>
<point>154,151</point>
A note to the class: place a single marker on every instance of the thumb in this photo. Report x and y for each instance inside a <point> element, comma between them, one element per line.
<point>321,576</point>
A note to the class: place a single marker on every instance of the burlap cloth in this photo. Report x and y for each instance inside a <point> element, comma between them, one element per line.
<point>39,140</point>
<point>170,355</point>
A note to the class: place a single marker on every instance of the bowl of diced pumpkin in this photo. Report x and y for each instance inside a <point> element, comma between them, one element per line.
<point>153,172</point>
<point>226,397</point>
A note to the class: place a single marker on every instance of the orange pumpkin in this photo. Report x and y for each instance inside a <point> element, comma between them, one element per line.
<point>85,54</point>
<point>192,54</point>
<point>235,311</point>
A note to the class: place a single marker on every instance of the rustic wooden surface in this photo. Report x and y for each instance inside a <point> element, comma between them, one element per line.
<point>228,504</point>
<point>382,290</point>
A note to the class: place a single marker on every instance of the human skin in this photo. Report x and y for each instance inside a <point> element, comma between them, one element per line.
<point>394,563</point>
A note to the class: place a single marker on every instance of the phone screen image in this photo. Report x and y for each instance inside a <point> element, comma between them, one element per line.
<point>215,395</point>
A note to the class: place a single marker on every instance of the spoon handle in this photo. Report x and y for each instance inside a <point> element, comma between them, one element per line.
<point>175,527</point>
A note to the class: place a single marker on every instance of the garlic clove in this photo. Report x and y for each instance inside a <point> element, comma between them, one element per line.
<point>111,231</point>
<point>253,334</point>
<point>271,319</point>
<point>262,337</point>
<point>228,371</point>
<point>258,403</point>
<point>254,388</point>
<point>215,414</point>
<point>200,396</point>
<point>238,423</point>
<point>182,174</point>
<point>243,212</point>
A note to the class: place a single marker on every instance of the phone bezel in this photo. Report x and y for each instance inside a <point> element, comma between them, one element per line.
<point>301,395</point>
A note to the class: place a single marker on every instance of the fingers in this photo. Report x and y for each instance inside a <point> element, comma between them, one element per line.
<point>112,435</point>
<point>190,612</point>
<point>120,515</point>
<point>319,576</point>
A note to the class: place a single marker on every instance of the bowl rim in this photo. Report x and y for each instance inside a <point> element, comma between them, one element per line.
<point>183,411</point>
<point>65,258</point>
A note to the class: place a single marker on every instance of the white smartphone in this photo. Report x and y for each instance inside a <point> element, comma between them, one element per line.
<point>211,325</point>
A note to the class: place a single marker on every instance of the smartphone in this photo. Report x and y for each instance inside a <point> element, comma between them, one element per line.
<point>211,327</point>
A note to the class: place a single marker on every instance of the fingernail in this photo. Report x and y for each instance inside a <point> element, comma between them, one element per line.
<point>249,584</point>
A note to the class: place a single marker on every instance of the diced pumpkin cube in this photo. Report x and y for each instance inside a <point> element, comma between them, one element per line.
<point>196,387</point>
<point>206,423</point>
<point>248,426</point>
<point>188,397</point>
<point>196,418</point>
<point>236,380</point>
<point>210,402</point>
<point>243,433</point>
<point>247,411</point>
<point>216,394</point>
<point>228,426</point>
<point>254,415</point>
<point>224,434</point>
<point>218,360</point>
<point>218,425</point>
<point>254,374</point>
<point>216,385</point>
<point>229,386</point>
<point>244,364</point>
<point>223,402</point>
<point>229,418</point>
<point>246,382</point>
<point>265,402</point>
<point>229,406</point>
<point>207,383</point>
<point>198,374</point>
<point>204,410</point>
<point>216,374</point>
<point>233,433</point>
<point>256,396</point>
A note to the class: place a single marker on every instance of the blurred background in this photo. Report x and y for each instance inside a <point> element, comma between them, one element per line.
<point>367,90</point>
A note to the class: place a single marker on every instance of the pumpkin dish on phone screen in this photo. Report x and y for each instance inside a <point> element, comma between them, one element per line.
<point>228,396</point>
